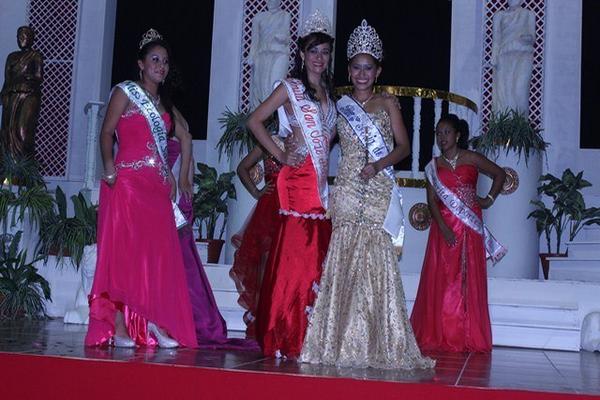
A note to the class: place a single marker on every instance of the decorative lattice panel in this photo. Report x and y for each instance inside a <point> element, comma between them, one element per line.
<point>55,25</point>
<point>536,98</point>
<point>251,8</point>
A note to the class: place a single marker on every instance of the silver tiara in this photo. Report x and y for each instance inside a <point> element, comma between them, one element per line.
<point>150,36</point>
<point>316,22</point>
<point>365,40</point>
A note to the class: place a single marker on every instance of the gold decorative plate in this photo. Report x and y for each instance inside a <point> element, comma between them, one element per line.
<point>257,173</point>
<point>511,183</point>
<point>419,216</point>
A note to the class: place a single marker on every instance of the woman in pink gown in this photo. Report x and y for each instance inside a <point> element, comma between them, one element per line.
<point>254,241</point>
<point>139,295</point>
<point>451,307</point>
<point>307,116</point>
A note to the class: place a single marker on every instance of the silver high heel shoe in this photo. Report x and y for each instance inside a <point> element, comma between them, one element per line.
<point>123,341</point>
<point>164,341</point>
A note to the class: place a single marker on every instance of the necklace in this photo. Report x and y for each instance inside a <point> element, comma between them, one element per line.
<point>155,100</point>
<point>452,161</point>
<point>364,103</point>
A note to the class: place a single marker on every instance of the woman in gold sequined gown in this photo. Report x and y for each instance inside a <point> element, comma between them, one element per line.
<point>360,317</point>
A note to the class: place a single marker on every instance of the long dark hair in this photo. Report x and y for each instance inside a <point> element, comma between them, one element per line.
<point>165,89</point>
<point>305,44</point>
<point>459,125</point>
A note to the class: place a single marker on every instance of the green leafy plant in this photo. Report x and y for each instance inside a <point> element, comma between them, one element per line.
<point>23,193</point>
<point>211,194</point>
<point>568,207</point>
<point>67,236</point>
<point>235,133</point>
<point>23,291</point>
<point>509,130</point>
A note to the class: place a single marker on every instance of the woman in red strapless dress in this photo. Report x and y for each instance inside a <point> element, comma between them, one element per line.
<point>254,241</point>
<point>294,267</point>
<point>451,307</point>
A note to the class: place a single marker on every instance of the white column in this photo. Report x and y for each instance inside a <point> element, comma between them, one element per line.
<point>507,218</point>
<point>224,91</point>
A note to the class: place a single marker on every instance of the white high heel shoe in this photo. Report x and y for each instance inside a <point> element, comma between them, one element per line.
<point>123,341</point>
<point>164,341</point>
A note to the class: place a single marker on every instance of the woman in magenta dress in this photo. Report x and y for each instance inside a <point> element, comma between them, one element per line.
<point>211,328</point>
<point>307,119</point>
<point>140,295</point>
<point>254,241</point>
<point>451,307</point>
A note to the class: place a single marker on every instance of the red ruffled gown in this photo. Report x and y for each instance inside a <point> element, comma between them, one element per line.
<point>295,263</point>
<point>253,246</point>
<point>451,307</point>
<point>139,268</point>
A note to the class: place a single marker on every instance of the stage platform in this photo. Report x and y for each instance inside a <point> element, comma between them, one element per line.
<point>47,360</point>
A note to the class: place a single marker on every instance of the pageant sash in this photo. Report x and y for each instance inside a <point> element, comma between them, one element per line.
<point>372,139</point>
<point>493,249</point>
<point>157,126</point>
<point>317,141</point>
<point>158,129</point>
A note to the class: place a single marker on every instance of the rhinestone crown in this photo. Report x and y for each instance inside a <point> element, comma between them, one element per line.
<point>150,36</point>
<point>316,22</point>
<point>365,40</point>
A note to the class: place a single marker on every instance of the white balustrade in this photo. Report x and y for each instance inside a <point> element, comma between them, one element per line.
<point>92,110</point>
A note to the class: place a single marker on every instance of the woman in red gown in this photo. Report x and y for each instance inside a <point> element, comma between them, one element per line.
<point>451,308</point>
<point>307,117</point>
<point>254,241</point>
<point>139,295</point>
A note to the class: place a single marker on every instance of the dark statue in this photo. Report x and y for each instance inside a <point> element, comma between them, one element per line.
<point>21,97</point>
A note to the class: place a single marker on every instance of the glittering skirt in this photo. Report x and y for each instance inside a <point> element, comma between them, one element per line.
<point>360,317</point>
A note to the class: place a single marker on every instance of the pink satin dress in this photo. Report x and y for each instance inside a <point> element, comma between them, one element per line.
<point>451,308</point>
<point>139,269</point>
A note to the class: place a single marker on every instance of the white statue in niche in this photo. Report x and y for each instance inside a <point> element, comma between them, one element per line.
<point>269,51</point>
<point>512,57</point>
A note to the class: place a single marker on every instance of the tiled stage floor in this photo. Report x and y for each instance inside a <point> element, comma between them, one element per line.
<point>528,369</point>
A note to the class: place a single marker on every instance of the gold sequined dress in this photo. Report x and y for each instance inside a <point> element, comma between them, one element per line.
<point>360,318</point>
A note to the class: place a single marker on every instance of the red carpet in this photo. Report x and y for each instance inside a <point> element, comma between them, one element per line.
<point>47,377</point>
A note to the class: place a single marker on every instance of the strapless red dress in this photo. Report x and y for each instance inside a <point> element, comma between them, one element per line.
<point>451,307</point>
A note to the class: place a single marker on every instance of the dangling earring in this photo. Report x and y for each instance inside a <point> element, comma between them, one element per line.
<point>141,73</point>
<point>302,67</point>
<point>349,78</point>
<point>376,78</point>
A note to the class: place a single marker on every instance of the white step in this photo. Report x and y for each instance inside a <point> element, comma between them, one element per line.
<point>218,276</point>
<point>227,298</point>
<point>233,318</point>
<point>584,249</point>
<point>591,233</point>
<point>574,269</point>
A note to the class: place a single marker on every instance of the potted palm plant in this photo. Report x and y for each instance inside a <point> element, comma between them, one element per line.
<point>236,134</point>
<point>211,194</point>
<point>568,211</point>
<point>509,131</point>
<point>23,292</point>
<point>65,236</point>
<point>23,194</point>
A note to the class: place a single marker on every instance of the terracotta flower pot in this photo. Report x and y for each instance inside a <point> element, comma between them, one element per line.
<point>214,249</point>
<point>546,263</point>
